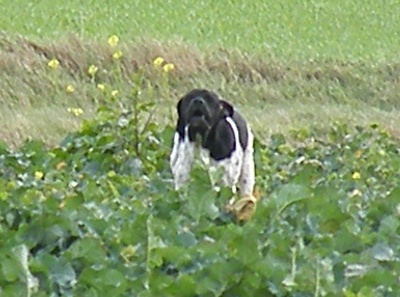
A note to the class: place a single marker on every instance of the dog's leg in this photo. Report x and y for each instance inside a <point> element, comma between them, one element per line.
<point>181,160</point>
<point>175,150</point>
<point>245,207</point>
<point>230,170</point>
<point>231,167</point>
<point>247,174</point>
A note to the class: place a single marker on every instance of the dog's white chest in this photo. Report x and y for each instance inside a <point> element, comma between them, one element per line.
<point>204,155</point>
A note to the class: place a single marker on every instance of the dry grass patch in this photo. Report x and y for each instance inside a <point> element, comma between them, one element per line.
<point>276,95</point>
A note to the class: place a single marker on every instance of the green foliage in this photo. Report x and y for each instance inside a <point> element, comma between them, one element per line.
<point>97,216</point>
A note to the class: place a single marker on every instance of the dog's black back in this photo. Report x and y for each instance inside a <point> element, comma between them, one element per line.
<point>221,139</point>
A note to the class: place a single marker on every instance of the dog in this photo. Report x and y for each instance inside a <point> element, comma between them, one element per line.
<point>211,125</point>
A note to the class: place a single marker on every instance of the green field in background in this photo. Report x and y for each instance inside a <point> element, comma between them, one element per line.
<point>287,29</point>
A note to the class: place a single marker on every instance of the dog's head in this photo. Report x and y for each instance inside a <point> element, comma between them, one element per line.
<point>200,110</point>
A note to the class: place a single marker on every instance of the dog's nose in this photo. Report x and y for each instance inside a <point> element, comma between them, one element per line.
<point>199,100</point>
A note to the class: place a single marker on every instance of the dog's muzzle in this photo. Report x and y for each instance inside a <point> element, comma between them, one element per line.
<point>199,119</point>
<point>199,108</point>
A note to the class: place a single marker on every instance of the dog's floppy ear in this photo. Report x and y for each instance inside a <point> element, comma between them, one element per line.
<point>180,126</point>
<point>179,106</point>
<point>226,108</point>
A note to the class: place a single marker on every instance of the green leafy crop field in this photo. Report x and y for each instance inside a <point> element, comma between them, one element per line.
<point>96,217</point>
<point>87,206</point>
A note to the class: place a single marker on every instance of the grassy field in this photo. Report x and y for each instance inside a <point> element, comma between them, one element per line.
<point>286,29</point>
<point>285,64</point>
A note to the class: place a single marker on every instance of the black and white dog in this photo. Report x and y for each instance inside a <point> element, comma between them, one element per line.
<point>212,126</point>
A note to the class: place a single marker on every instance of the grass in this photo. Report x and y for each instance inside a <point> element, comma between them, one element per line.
<point>284,64</point>
<point>288,29</point>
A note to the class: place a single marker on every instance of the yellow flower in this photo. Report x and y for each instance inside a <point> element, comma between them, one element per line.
<point>113,40</point>
<point>61,165</point>
<point>92,70</point>
<point>70,89</point>
<point>158,61</point>
<point>78,111</point>
<point>356,175</point>
<point>128,252</point>
<point>117,55</point>
<point>38,175</point>
<point>114,93</point>
<point>358,153</point>
<point>101,87</point>
<point>168,67</point>
<point>75,111</point>
<point>111,173</point>
<point>53,63</point>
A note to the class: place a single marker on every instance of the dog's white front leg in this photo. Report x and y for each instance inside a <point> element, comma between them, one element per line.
<point>247,174</point>
<point>232,165</point>
<point>181,160</point>
<point>175,151</point>
<point>230,170</point>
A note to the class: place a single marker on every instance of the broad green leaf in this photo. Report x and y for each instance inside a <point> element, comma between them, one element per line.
<point>63,273</point>
<point>11,269</point>
<point>383,252</point>
<point>184,285</point>
<point>290,194</point>
<point>14,290</point>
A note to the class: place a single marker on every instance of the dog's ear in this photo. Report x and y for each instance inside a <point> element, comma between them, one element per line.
<point>180,126</point>
<point>226,108</point>
<point>179,107</point>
